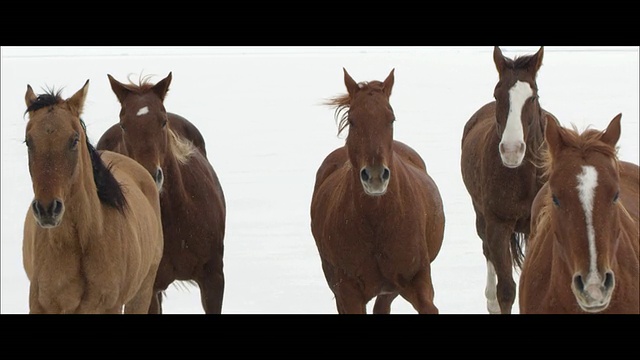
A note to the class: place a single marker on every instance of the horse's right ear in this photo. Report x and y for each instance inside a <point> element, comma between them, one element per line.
<point>552,135</point>
<point>537,60</point>
<point>30,96</point>
<point>76,102</point>
<point>118,88</point>
<point>351,84</point>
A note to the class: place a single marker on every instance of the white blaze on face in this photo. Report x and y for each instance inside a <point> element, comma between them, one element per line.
<point>587,182</point>
<point>512,145</point>
<point>143,110</point>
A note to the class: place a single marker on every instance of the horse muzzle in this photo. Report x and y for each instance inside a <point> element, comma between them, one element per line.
<point>375,180</point>
<point>48,215</point>
<point>594,295</point>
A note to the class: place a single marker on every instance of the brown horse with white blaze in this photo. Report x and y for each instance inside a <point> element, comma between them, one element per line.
<point>583,255</point>
<point>191,196</point>
<point>376,215</point>
<point>93,234</point>
<point>501,146</point>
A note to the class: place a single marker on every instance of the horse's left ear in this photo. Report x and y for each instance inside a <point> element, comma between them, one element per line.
<point>612,134</point>
<point>388,83</point>
<point>162,87</point>
<point>76,102</point>
<point>536,61</point>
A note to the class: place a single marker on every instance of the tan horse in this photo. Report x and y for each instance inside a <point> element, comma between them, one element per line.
<point>501,144</point>
<point>582,256</point>
<point>376,215</point>
<point>93,233</point>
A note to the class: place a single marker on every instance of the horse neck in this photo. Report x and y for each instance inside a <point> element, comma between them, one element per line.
<point>173,179</point>
<point>535,138</point>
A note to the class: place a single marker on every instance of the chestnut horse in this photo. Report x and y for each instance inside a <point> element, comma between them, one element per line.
<point>376,215</point>
<point>92,235</point>
<point>499,162</point>
<point>191,197</point>
<point>582,256</point>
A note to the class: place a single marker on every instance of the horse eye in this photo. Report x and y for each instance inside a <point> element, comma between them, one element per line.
<point>164,123</point>
<point>556,202</point>
<point>74,142</point>
<point>615,197</point>
<point>26,142</point>
<point>121,126</point>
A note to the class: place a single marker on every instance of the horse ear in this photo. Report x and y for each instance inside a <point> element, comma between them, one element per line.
<point>76,102</point>
<point>536,61</point>
<point>388,83</point>
<point>498,59</point>
<point>30,96</point>
<point>118,89</point>
<point>552,135</point>
<point>351,84</point>
<point>162,87</point>
<point>612,134</point>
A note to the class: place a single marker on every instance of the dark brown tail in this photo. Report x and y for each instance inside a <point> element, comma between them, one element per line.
<point>518,241</point>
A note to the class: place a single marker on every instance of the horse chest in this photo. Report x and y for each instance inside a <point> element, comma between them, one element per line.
<point>58,284</point>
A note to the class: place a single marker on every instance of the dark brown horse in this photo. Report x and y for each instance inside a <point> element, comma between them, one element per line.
<point>582,255</point>
<point>112,138</point>
<point>376,215</point>
<point>191,197</point>
<point>499,162</point>
<point>93,233</point>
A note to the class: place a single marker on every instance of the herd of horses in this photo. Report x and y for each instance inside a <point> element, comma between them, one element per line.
<point>110,227</point>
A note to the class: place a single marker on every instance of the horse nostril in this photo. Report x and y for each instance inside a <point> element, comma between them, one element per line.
<point>37,208</point>
<point>579,284</point>
<point>159,177</point>
<point>522,147</point>
<point>385,174</point>
<point>56,207</point>
<point>364,174</point>
<point>609,279</point>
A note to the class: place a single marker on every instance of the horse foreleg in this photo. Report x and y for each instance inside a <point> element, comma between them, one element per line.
<point>500,266</point>
<point>211,283</point>
<point>349,298</point>
<point>383,303</point>
<point>140,303</point>
<point>420,293</point>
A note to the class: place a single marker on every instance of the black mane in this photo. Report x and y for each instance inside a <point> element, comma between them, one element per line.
<point>50,98</point>
<point>109,189</point>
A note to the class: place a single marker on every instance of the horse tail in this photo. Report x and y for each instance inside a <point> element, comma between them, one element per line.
<point>518,241</point>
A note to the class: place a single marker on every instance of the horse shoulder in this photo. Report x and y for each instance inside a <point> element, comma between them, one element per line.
<point>486,112</point>
<point>28,244</point>
<point>130,173</point>
<point>407,153</point>
<point>110,139</point>
<point>185,129</point>
<point>334,161</point>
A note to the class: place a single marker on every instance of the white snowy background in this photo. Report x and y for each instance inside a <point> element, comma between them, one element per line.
<point>259,109</point>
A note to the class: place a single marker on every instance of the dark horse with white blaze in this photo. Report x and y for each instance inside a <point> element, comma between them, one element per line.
<point>501,146</point>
